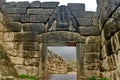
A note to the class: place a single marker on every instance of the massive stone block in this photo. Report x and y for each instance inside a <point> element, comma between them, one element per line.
<point>25,37</point>
<point>10,4</point>
<point>84,21</point>
<point>16,10</point>
<point>8,36</point>
<point>12,17</point>
<point>39,18</point>
<point>2,3</point>
<point>35,4</point>
<point>23,4</point>
<point>49,4</point>
<point>89,31</point>
<point>37,27</point>
<point>14,26</point>
<point>25,18</point>
<point>76,6</point>
<point>31,46</point>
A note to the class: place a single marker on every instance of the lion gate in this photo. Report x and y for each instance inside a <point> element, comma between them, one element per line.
<point>26,29</point>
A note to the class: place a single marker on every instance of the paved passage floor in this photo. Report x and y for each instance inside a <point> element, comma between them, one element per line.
<point>62,77</point>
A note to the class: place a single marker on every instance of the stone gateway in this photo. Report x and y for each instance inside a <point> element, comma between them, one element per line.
<point>27,29</point>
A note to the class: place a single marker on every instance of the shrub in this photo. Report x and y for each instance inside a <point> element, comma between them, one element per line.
<point>23,76</point>
<point>94,78</point>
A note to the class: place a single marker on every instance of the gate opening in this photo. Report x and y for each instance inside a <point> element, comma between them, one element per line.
<point>61,63</point>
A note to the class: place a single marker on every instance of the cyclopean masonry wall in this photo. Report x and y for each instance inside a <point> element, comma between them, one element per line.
<point>109,24</point>
<point>55,63</point>
<point>28,28</point>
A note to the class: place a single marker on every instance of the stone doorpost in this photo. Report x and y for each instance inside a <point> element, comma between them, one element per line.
<point>80,57</point>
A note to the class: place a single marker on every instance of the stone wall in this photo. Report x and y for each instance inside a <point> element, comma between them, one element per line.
<point>109,24</point>
<point>25,23</point>
<point>55,63</point>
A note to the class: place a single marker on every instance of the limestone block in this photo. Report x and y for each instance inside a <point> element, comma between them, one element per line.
<point>92,47</point>
<point>23,4</point>
<point>104,66</point>
<point>18,45</point>
<point>11,52</point>
<point>31,54</point>
<point>103,40</point>
<point>25,18</point>
<point>111,63</point>
<point>1,17</point>
<point>94,21</point>
<point>37,27</point>
<point>40,11</point>
<point>1,3</point>
<point>77,6</point>
<point>103,52</point>
<point>118,58</point>
<point>2,28</point>
<point>35,4</point>
<point>31,61</point>
<point>84,21</point>
<point>8,45</point>
<point>32,70</point>
<point>14,26</point>
<point>93,39</point>
<point>89,31</point>
<point>49,4</point>
<point>108,47</point>
<point>26,37</point>
<point>21,69</point>
<point>1,36</point>
<point>31,46</point>
<point>92,66</point>
<point>12,17</point>
<point>10,4</point>
<point>20,53</point>
<point>105,8</point>
<point>91,58</point>
<point>117,40</point>
<point>16,10</point>
<point>39,18</point>
<point>89,73</point>
<point>8,36</point>
<point>35,11</point>
<point>16,60</point>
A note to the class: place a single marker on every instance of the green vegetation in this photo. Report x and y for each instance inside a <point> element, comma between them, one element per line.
<point>23,76</point>
<point>94,78</point>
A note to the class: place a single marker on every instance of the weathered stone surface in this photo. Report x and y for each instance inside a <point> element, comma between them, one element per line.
<point>6,67</point>
<point>92,47</point>
<point>28,70</point>
<point>25,18</point>
<point>31,46</point>
<point>8,36</point>
<point>16,60</point>
<point>8,45</point>
<point>84,14</point>
<point>14,26</point>
<point>16,10</point>
<point>12,17</point>
<point>37,27</point>
<point>84,21</point>
<point>31,61</point>
<point>1,17</point>
<point>18,45</point>
<point>77,6</point>
<point>35,11</point>
<point>91,58</point>
<point>2,28</point>
<point>39,18</point>
<point>23,4</point>
<point>1,36</point>
<point>49,4</point>
<point>25,37</point>
<point>10,4</point>
<point>35,4</point>
<point>31,54</point>
<point>89,31</point>
<point>2,3</point>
